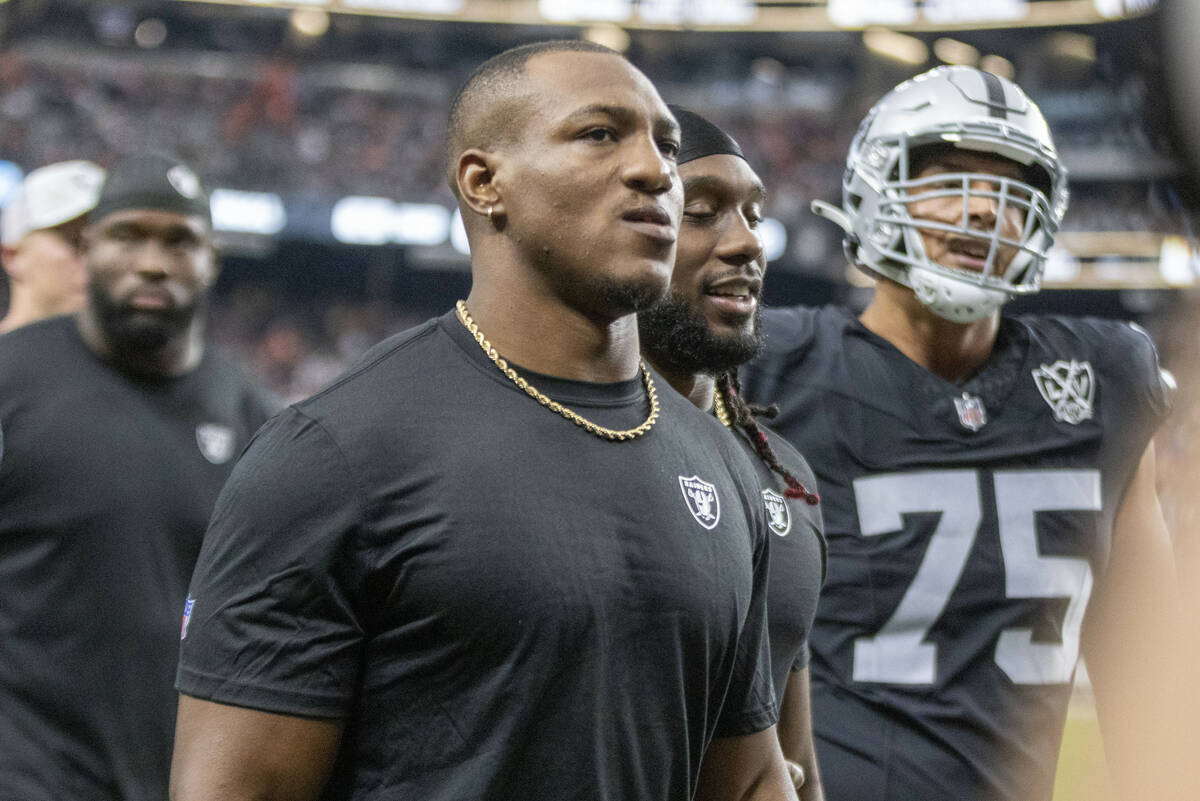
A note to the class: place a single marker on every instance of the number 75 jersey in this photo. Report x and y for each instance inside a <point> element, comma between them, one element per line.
<point>967,526</point>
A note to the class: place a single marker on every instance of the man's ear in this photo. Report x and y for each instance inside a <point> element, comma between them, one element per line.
<point>12,265</point>
<point>476,184</point>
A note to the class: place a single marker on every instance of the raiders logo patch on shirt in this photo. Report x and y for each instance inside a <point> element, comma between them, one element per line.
<point>779,517</point>
<point>702,501</point>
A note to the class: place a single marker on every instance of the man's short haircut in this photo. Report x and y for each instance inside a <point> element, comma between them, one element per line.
<point>479,112</point>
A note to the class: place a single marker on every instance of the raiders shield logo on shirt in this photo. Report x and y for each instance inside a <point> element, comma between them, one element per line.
<point>779,517</point>
<point>1069,387</point>
<point>215,441</point>
<point>702,501</point>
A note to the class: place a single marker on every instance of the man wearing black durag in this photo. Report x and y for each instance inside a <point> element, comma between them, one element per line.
<point>697,336</point>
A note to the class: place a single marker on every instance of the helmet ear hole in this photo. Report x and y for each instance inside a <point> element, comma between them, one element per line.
<point>1037,177</point>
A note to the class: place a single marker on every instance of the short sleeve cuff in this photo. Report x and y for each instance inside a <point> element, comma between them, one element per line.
<point>265,699</point>
<point>751,722</point>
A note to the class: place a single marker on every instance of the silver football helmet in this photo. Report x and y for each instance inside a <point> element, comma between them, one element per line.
<point>967,109</point>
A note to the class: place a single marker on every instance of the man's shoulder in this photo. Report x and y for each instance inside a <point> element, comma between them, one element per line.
<point>1114,347</point>
<point>400,364</point>
<point>1116,358</point>
<point>794,328</point>
<point>40,348</point>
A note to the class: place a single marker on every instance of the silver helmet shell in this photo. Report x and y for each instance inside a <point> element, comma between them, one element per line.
<point>967,109</point>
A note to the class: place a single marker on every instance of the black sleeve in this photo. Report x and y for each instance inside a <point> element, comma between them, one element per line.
<point>270,621</point>
<point>1155,387</point>
<point>749,705</point>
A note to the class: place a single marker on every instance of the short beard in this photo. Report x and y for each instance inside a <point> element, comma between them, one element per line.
<point>133,332</point>
<point>675,336</point>
<point>622,298</point>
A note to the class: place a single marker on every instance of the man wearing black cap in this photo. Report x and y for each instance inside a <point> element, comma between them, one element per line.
<point>119,429</point>
<point>697,336</point>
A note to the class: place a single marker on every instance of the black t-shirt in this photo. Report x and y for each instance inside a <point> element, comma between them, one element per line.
<point>498,604</point>
<point>966,526</point>
<point>797,557</point>
<point>106,484</point>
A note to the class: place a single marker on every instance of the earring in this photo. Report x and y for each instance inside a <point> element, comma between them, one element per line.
<point>491,214</point>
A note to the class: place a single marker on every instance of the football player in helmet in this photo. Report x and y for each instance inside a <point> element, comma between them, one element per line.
<point>987,481</point>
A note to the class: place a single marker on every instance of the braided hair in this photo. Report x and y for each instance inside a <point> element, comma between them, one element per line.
<point>745,416</point>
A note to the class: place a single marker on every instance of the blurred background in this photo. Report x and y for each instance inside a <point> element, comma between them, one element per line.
<point>318,123</point>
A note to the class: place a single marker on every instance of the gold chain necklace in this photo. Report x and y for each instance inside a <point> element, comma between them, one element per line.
<point>721,411</point>
<point>612,435</point>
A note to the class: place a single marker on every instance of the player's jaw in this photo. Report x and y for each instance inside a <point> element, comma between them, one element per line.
<point>689,335</point>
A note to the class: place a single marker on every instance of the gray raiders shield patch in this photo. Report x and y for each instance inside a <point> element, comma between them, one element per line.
<point>779,517</point>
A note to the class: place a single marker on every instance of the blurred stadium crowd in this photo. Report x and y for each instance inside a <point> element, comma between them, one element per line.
<point>366,120</point>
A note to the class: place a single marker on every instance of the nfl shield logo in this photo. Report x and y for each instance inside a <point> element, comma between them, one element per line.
<point>779,517</point>
<point>215,441</point>
<point>971,412</point>
<point>187,616</point>
<point>702,501</point>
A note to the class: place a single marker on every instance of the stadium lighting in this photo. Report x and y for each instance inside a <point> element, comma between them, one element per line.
<point>896,46</point>
<point>420,224</point>
<point>150,33</point>
<point>1177,263</point>
<point>360,220</point>
<point>998,65</point>
<point>698,12</point>
<point>575,10</point>
<point>247,212</point>
<point>310,22</point>
<point>1077,46</point>
<point>443,7</point>
<point>11,176</point>
<point>774,237</point>
<point>611,36</point>
<point>952,51</point>
<point>857,13</point>
<point>954,11</point>
<point>458,234</point>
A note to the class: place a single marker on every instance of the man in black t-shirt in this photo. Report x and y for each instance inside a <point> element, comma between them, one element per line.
<point>492,561</point>
<point>987,481</point>
<point>702,330</point>
<point>119,429</point>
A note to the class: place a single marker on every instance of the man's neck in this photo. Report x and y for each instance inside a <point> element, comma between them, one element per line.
<point>22,310</point>
<point>951,351</point>
<point>696,387</point>
<point>543,334</point>
<point>179,355</point>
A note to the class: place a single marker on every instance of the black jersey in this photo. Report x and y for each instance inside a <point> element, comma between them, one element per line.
<point>797,557</point>
<point>966,525</point>
<point>106,484</point>
<point>498,604</point>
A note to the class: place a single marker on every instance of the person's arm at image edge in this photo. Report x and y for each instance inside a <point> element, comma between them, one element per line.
<point>1130,643</point>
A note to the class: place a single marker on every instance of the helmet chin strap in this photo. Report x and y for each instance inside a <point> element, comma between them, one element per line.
<point>953,300</point>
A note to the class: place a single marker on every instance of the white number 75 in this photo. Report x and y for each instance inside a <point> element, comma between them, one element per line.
<point>898,654</point>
